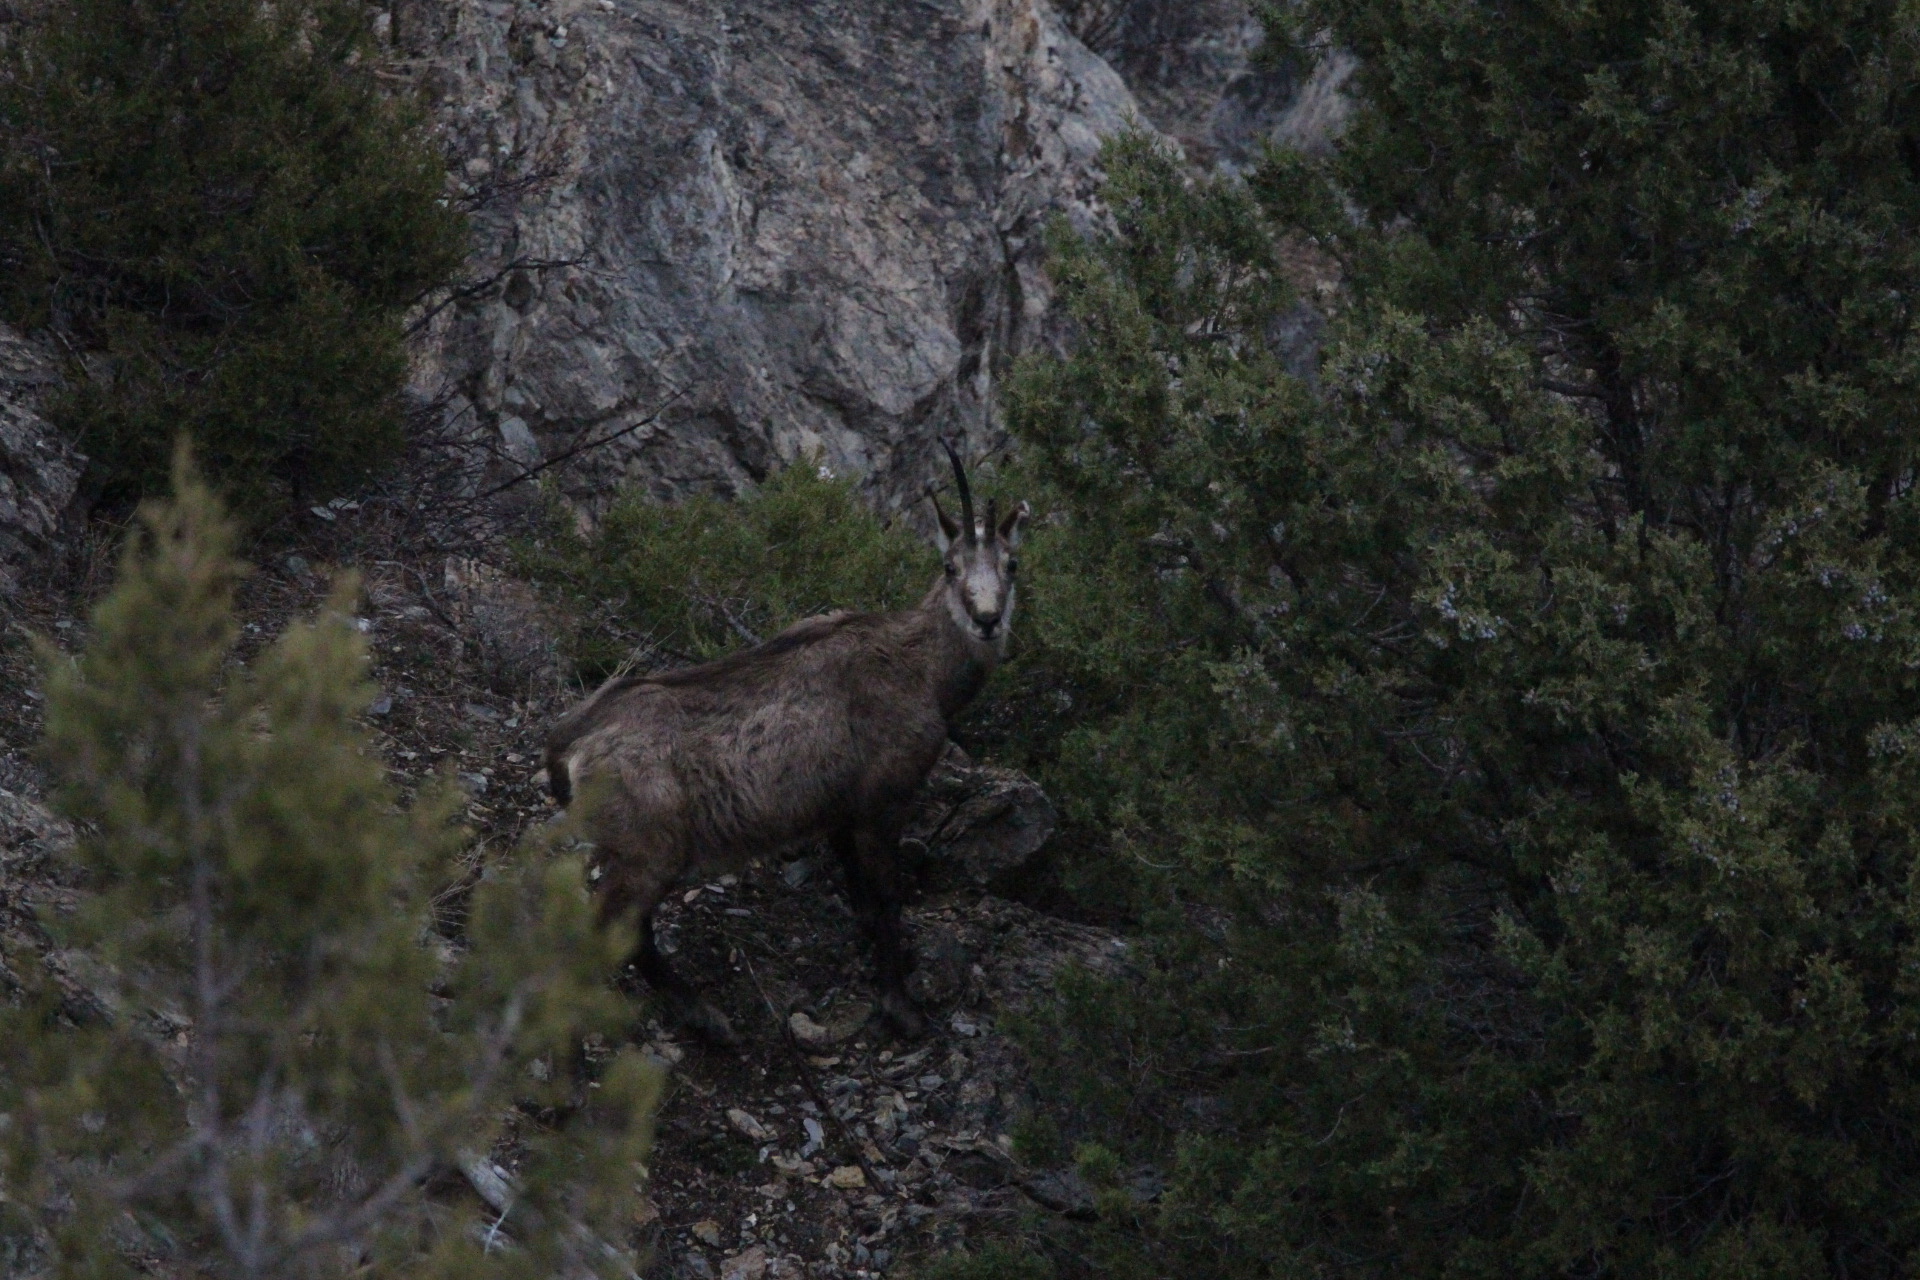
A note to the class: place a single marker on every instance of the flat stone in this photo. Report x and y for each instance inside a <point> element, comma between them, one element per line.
<point>848,1177</point>
<point>748,1127</point>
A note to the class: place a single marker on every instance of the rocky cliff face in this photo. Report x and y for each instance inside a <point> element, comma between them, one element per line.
<point>1194,66</point>
<point>731,234</point>
<point>769,230</point>
<point>39,471</point>
<point>757,231</point>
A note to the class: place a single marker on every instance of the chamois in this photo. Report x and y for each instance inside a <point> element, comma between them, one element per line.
<point>825,730</point>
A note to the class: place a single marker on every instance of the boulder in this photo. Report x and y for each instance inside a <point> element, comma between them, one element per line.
<point>974,825</point>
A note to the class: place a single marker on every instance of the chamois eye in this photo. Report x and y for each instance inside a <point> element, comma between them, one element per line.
<point>1013,564</point>
<point>951,570</point>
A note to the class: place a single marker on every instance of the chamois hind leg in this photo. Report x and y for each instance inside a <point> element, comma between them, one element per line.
<point>684,1002</point>
<point>635,884</point>
<point>870,855</point>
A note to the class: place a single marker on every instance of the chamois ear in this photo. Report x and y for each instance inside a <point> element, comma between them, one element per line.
<point>1010,527</point>
<point>946,530</point>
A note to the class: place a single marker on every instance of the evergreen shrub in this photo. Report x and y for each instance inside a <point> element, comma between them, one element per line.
<point>286,1044</point>
<point>990,1262</point>
<point>1506,746</point>
<point>669,583</point>
<point>218,205</point>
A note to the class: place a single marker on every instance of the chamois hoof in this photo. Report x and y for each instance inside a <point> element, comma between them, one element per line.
<point>900,1013</point>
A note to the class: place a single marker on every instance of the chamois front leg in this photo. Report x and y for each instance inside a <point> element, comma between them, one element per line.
<point>870,855</point>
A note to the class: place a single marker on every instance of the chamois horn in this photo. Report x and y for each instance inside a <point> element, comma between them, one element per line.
<point>966,494</point>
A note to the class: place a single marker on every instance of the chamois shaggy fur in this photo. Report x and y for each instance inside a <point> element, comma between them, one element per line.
<point>824,731</point>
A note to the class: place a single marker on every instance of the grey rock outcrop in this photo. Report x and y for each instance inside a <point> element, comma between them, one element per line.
<point>754,232</point>
<point>1195,67</point>
<point>39,470</point>
<point>975,825</point>
<point>728,236</point>
<point>36,883</point>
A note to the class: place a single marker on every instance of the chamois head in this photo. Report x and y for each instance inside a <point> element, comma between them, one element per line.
<point>979,562</point>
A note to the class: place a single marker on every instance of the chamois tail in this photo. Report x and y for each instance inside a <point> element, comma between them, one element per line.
<point>569,729</point>
<point>559,781</point>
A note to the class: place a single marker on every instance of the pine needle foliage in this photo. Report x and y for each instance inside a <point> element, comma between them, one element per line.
<point>289,1042</point>
<point>670,583</point>
<point>1507,746</point>
<point>220,206</point>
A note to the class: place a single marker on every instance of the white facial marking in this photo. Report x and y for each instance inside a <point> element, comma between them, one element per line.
<point>980,590</point>
<point>980,594</point>
<point>983,591</point>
